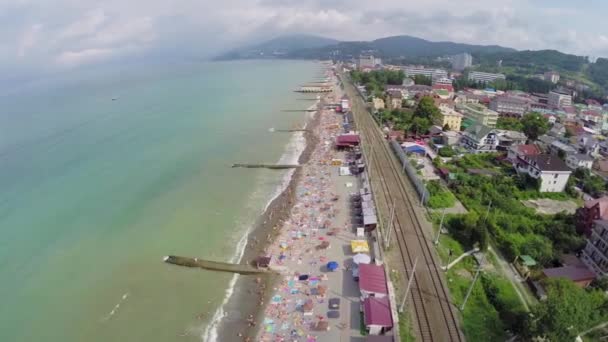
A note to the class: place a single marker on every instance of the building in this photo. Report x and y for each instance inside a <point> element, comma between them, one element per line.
<point>484,139</point>
<point>592,210</point>
<point>558,148</point>
<point>395,99</point>
<point>377,315</point>
<point>461,61</point>
<point>558,99</point>
<point>378,103</point>
<point>551,172</point>
<point>450,117</point>
<point>521,151</point>
<point>372,281</point>
<point>595,253</point>
<point>444,81</point>
<point>411,71</point>
<point>408,82</point>
<point>368,61</point>
<point>509,105</point>
<point>579,160</point>
<point>485,77</point>
<point>580,275</point>
<point>443,91</point>
<point>479,114</point>
<point>551,76</point>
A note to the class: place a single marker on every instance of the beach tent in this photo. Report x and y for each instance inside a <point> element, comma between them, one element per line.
<point>308,307</point>
<point>332,265</point>
<point>360,232</point>
<point>362,259</point>
<point>359,246</point>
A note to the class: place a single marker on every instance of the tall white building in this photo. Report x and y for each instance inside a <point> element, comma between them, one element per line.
<point>368,62</point>
<point>484,77</point>
<point>411,71</point>
<point>558,99</point>
<point>461,61</point>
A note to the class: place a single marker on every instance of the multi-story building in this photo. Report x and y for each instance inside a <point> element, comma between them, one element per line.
<point>411,71</point>
<point>592,210</point>
<point>478,113</point>
<point>484,139</point>
<point>461,61</point>
<point>579,160</point>
<point>551,76</point>
<point>551,171</point>
<point>443,81</point>
<point>509,105</point>
<point>368,61</point>
<point>559,99</point>
<point>450,117</point>
<point>485,77</point>
<point>595,254</point>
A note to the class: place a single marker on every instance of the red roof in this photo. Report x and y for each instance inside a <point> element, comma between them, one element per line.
<point>592,102</point>
<point>444,86</point>
<point>570,272</point>
<point>528,150</point>
<point>602,202</point>
<point>348,139</point>
<point>372,279</point>
<point>569,110</point>
<point>377,311</point>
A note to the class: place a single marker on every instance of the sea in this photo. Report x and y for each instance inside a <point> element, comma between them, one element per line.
<point>105,171</point>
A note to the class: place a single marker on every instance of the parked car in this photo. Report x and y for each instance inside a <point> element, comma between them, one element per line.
<point>334,303</point>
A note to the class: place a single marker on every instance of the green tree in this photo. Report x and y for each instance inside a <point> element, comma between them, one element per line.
<point>420,125</point>
<point>423,80</point>
<point>512,124</point>
<point>426,109</point>
<point>534,125</point>
<point>447,151</point>
<point>567,311</point>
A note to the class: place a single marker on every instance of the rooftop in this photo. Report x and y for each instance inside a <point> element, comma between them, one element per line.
<point>547,162</point>
<point>377,311</point>
<point>372,279</point>
<point>602,202</point>
<point>569,272</point>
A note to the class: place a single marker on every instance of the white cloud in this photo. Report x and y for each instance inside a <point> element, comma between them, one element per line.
<point>28,39</point>
<point>74,58</point>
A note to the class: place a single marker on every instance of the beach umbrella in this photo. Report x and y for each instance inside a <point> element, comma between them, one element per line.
<point>332,265</point>
<point>362,259</point>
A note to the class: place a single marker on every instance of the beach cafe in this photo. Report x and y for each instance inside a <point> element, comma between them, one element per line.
<point>377,315</point>
<point>372,281</point>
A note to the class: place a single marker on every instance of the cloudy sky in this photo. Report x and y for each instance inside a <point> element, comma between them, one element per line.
<point>37,36</point>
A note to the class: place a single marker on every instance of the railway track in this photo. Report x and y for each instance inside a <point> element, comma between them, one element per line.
<point>429,301</point>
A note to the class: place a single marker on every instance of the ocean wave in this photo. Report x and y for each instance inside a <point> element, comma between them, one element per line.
<point>293,150</point>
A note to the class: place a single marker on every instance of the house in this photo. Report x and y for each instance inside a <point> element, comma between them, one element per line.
<point>347,140</point>
<point>587,144</point>
<point>480,139</point>
<point>581,276</point>
<point>552,172</point>
<point>559,148</point>
<point>372,281</point>
<point>521,151</point>
<point>378,103</point>
<point>450,117</point>
<point>478,114</point>
<point>603,148</point>
<point>557,130</point>
<point>579,160</point>
<point>595,253</point>
<point>450,138</point>
<point>377,315</point>
<point>395,99</point>
<point>590,212</point>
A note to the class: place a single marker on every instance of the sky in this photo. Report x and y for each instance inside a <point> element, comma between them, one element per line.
<point>43,36</point>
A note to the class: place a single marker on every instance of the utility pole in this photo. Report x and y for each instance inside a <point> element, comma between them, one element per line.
<point>390,226</point>
<point>440,227</point>
<point>449,259</point>
<point>487,211</point>
<point>409,286</point>
<point>466,298</point>
<point>422,199</point>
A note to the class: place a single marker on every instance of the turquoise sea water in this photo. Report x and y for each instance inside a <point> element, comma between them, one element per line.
<point>94,192</point>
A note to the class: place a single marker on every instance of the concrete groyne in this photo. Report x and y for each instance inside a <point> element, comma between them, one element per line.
<point>214,265</point>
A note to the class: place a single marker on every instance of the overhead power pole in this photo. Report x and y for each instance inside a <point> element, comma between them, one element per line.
<point>409,286</point>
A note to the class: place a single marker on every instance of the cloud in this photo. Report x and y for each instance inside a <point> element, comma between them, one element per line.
<point>43,35</point>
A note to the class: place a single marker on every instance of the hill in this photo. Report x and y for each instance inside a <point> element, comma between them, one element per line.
<point>278,47</point>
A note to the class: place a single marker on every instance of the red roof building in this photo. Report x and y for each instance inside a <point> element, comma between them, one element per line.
<point>372,280</point>
<point>377,315</point>
<point>348,140</point>
<point>447,87</point>
<point>581,276</point>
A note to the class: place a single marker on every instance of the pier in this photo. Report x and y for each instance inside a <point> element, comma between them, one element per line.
<point>214,265</point>
<point>267,166</point>
<point>299,110</point>
<point>291,130</point>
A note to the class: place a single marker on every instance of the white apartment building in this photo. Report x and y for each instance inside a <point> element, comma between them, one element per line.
<point>411,71</point>
<point>368,62</point>
<point>558,99</point>
<point>595,254</point>
<point>509,105</point>
<point>552,172</point>
<point>485,77</point>
<point>478,113</point>
<point>461,61</point>
<point>443,80</point>
<point>551,76</point>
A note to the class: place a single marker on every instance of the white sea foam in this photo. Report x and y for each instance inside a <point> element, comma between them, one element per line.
<point>293,150</point>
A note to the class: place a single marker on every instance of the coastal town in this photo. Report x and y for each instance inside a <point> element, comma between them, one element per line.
<point>423,207</point>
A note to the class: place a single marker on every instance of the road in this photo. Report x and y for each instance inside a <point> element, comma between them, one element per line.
<point>434,316</point>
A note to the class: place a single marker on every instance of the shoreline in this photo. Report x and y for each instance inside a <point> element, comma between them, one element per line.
<point>243,309</point>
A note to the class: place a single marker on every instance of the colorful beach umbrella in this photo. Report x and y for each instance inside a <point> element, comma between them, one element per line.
<point>362,259</point>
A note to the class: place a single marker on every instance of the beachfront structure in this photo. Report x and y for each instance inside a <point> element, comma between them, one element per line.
<point>559,99</point>
<point>411,71</point>
<point>372,281</point>
<point>449,117</point>
<point>595,254</point>
<point>485,77</point>
<point>550,171</point>
<point>478,113</point>
<point>461,61</point>
<point>509,105</point>
<point>377,315</point>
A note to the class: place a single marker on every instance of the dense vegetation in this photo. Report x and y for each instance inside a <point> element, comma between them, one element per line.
<point>589,183</point>
<point>513,82</point>
<point>495,200</point>
<point>508,123</point>
<point>533,61</point>
<point>375,81</point>
<point>418,121</point>
<point>440,196</point>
